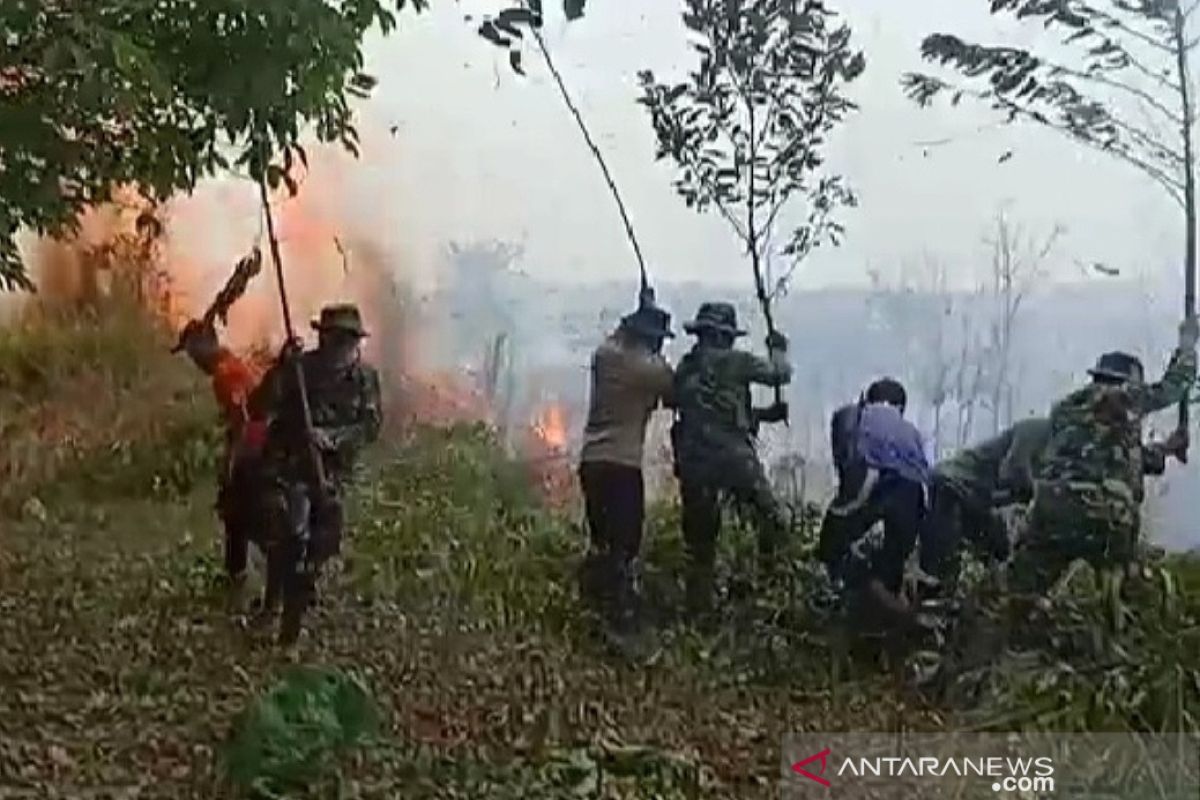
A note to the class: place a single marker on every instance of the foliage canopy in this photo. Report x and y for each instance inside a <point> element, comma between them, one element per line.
<point>161,93</point>
<point>1120,84</point>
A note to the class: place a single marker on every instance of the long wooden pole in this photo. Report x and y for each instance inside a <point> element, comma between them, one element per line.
<point>317,465</point>
<point>1189,193</point>
<point>646,291</point>
<point>752,247</point>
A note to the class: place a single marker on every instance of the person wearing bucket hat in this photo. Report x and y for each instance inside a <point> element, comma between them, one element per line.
<point>629,379</point>
<point>714,439</point>
<point>345,408</point>
<point>1088,486</point>
<point>233,381</point>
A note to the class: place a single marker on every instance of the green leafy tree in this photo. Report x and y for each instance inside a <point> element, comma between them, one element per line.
<point>161,93</point>
<point>748,129</point>
<point>1120,83</point>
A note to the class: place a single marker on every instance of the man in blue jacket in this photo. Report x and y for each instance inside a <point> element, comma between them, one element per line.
<point>884,476</point>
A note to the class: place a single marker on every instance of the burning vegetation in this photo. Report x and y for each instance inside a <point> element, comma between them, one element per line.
<point>155,254</point>
<point>549,456</point>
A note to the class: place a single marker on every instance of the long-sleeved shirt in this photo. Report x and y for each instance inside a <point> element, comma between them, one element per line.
<point>1003,463</point>
<point>714,436</point>
<point>345,403</point>
<point>233,381</point>
<point>843,431</point>
<point>1096,431</point>
<point>712,386</point>
<point>627,384</point>
<point>887,441</point>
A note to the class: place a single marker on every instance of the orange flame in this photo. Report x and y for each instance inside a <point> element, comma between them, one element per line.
<point>548,457</point>
<point>329,256</point>
<point>551,427</point>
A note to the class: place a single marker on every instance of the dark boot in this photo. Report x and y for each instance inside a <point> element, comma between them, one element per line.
<point>700,587</point>
<point>298,598</point>
<point>623,611</point>
<point>883,611</point>
<point>276,575</point>
<point>591,580</point>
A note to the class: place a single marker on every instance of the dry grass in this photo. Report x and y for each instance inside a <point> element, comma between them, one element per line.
<point>95,398</point>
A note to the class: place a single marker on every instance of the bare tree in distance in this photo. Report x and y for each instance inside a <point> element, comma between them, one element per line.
<point>1018,263</point>
<point>747,129</point>
<point>968,383</point>
<point>957,344</point>
<point>1127,54</point>
<point>917,311</point>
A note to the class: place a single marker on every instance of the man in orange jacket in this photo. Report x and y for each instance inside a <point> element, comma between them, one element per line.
<point>233,380</point>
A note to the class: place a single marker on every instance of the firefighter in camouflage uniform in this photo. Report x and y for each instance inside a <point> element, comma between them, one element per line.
<point>969,490</point>
<point>1088,486</point>
<point>714,439</point>
<point>344,402</point>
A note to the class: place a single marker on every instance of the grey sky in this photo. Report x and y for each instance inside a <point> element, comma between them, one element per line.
<point>481,152</point>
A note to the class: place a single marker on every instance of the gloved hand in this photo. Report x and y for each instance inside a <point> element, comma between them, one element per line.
<point>195,337</point>
<point>322,440</point>
<point>1177,444</point>
<point>646,297</point>
<point>1189,333</point>
<point>776,412</point>
<point>777,341</point>
<point>292,348</point>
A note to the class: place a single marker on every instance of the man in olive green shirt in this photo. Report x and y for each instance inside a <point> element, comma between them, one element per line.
<point>969,486</point>
<point>715,441</point>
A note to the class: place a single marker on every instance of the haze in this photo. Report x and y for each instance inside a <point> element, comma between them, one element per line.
<point>487,152</point>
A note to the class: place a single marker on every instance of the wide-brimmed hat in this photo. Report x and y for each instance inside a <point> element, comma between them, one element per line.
<point>1118,366</point>
<point>649,321</point>
<point>341,317</point>
<point>715,317</point>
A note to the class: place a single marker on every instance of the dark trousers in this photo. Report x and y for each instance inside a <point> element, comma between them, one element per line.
<point>834,538</point>
<point>702,502</point>
<point>900,505</point>
<point>306,531</point>
<point>953,522</point>
<point>238,503</point>
<point>702,518</point>
<point>615,497</point>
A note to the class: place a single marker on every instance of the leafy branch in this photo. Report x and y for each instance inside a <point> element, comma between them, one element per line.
<point>747,130</point>
<point>1084,102</point>
<point>1081,102</point>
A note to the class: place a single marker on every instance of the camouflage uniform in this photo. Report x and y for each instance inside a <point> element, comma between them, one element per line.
<point>345,407</point>
<point>967,488</point>
<point>714,440</point>
<point>1088,489</point>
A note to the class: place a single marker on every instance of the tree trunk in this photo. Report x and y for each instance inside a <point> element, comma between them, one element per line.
<point>1189,195</point>
<point>752,237</point>
<point>937,431</point>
